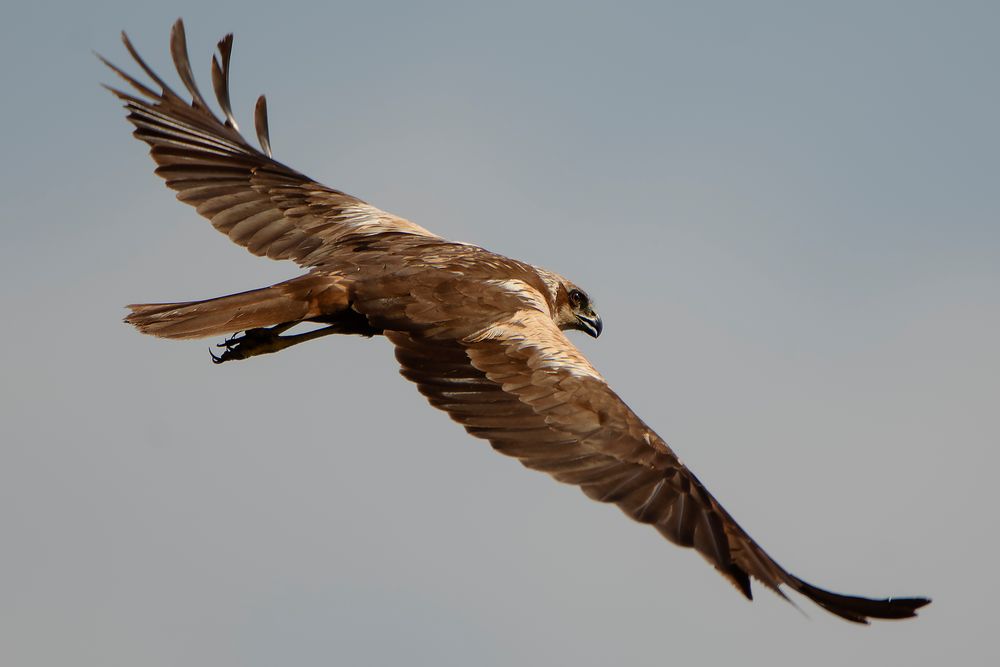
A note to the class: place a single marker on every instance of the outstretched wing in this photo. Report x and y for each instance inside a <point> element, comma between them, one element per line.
<point>261,204</point>
<point>520,384</point>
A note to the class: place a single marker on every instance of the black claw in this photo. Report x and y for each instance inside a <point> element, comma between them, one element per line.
<point>231,342</point>
<point>249,344</point>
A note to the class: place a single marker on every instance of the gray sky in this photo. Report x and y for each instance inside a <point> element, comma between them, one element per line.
<point>788,214</point>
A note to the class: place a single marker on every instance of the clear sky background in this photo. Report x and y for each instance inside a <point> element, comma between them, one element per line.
<point>788,213</point>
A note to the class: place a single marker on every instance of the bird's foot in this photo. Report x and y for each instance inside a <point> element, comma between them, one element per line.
<point>267,340</point>
<point>251,343</point>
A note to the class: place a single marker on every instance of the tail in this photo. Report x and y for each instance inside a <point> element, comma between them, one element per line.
<point>304,298</point>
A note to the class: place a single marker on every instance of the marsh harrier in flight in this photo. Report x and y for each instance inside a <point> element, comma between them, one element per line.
<point>480,334</point>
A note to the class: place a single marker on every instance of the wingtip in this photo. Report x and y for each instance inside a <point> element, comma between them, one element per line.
<point>260,123</point>
<point>104,61</point>
<point>861,609</point>
<point>177,28</point>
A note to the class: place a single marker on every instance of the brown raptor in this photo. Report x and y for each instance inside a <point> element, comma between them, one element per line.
<point>480,334</point>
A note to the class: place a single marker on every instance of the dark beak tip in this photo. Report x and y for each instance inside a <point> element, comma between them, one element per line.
<point>592,327</point>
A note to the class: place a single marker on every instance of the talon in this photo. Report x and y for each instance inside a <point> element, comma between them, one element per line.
<point>232,341</point>
<point>251,343</point>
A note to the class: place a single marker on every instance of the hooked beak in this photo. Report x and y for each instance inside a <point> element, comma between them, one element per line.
<point>590,324</point>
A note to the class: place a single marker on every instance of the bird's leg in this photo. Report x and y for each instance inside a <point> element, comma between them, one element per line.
<point>262,333</point>
<point>266,340</point>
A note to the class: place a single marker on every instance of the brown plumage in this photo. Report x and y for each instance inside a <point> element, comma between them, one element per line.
<point>480,334</point>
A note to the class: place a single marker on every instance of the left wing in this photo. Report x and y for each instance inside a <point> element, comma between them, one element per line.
<point>261,204</point>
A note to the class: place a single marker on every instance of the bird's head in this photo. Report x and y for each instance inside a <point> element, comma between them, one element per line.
<point>575,310</point>
<point>581,315</point>
<point>571,307</point>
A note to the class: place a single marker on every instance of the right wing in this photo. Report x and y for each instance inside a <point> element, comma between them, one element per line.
<point>520,384</point>
<point>261,204</point>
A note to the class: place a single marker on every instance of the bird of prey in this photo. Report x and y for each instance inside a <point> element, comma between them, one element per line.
<point>481,335</point>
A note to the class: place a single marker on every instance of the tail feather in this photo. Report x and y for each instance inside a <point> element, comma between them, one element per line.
<point>304,298</point>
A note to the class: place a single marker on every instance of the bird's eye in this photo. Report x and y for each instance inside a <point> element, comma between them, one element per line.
<point>577,299</point>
